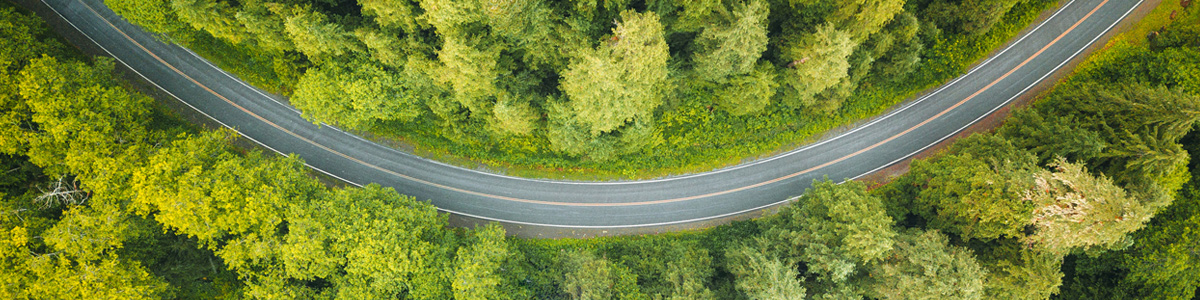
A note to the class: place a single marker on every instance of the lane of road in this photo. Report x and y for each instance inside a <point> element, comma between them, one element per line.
<point>674,200</point>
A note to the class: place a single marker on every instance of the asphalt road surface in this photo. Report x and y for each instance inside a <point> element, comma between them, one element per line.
<point>673,200</point>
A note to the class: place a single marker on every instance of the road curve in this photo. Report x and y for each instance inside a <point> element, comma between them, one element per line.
<point>674,200</point>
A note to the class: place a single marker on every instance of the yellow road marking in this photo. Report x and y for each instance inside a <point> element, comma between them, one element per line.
<point>663,201</point>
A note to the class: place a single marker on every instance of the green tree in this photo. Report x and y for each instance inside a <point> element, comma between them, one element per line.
<point>403,14</point>
<point>470,68</point>
<point>371,242</point>
<point>818,62</point>
<point>586,276</point>
<point>862,18</point>
<point>696,15</point>
<point>969,16</point>
<point>1140,125</point>
<point>477,267</point>
<point>58,277</point>
<point>1165,256</point>
<point>1075,209</point>
<point>267,25</point>
<point>747,94</point>
<point>153,15</point>
<point>1161,117</point>
<point>569,135</point>
<point>688,274</point>
<point>514,116</point>
<point>924,266</point>
<point>622,80</point>
<point>359,97</point>
<point>834,229</point>
<point>976,190</point>
<point>667,267</point>
<point>537,29</point>
<point>215,17</point>
<point>86,123</point>
<point>384,46</point>
<point>96,228</point>
<point>233,205</point>
<point>1016,272</point>
<point>904,54</point>
<point>762,277</point>
<point>71,249</point>
<point>612,92</point>
<point>1051,136</point>
<point>733,49</point>
<point>451,17</point>
<point>72,258</point>
<point>315,36</point>
<point>831,233</point>
<point>23,43</point>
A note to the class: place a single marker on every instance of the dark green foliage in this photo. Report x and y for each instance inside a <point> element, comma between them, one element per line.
<point>1165,258</point>
<point>1126,114</point>
<point>1052,136</point>
<point>969,16</point>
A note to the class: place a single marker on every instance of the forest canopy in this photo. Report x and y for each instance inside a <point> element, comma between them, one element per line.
<point>586,79</point>
<point>1089,193</point>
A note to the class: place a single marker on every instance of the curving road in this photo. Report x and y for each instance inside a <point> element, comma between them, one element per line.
<point>674,200</point>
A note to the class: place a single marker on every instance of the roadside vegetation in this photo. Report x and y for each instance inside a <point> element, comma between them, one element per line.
<point>591,89</point>
<point>1089,193</point>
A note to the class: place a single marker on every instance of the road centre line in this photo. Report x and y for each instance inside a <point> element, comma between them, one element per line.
<point>260,118</point>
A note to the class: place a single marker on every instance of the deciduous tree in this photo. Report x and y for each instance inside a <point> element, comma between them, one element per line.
<point>747,94</point>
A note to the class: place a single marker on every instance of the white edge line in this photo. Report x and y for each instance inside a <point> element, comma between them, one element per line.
<point>678,221</point>
<point>1039,81</point>
<point>903,107</point>
<point>60,15</point>
<point>1077,52</point>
